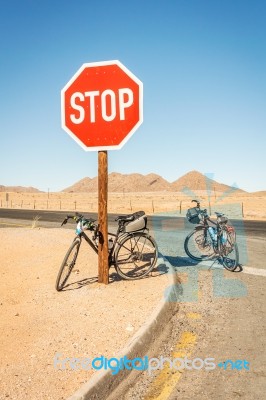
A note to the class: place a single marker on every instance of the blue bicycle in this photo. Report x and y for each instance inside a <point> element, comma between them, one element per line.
<point>211,239</point>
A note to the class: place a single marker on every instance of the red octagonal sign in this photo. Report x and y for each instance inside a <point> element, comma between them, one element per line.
<point>102,105</point>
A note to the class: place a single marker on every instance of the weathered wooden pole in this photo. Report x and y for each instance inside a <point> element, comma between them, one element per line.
<point>103,267</point>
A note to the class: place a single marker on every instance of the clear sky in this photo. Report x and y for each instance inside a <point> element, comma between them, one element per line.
<point>202,64</point>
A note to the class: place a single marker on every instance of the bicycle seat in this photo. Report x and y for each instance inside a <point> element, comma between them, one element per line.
<point>219,214</point>
<point>130,217</point>
<point>125,218</point>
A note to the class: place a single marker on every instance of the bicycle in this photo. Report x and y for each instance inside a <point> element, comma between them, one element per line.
<point>207,242</point>
<point>131,250</point>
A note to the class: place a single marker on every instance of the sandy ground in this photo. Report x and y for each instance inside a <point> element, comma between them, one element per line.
<point>87,320</point>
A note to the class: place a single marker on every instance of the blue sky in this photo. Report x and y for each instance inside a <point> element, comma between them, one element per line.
<point>202,64</point>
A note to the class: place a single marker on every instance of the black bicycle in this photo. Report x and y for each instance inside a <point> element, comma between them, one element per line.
<point>211,239</point>
<point>132,251</point>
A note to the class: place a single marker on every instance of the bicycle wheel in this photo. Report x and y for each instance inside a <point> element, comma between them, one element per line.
<point>198,245</point>
<point>136,256</point>
<point>67,265</point>
<point>230,259</point>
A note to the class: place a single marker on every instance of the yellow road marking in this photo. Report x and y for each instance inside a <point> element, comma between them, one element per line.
<point>163,385</point>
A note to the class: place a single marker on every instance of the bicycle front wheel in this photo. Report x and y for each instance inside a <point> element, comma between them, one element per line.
<point>67,265</point>
<point>198,244</point>
<point>136,256</point>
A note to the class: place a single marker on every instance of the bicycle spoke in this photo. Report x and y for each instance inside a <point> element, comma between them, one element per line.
<point>136,256</point>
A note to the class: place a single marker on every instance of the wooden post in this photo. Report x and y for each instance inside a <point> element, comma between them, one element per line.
<point>103,267</point>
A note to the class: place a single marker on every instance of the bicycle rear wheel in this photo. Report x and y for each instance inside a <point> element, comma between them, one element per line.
<point>136,256</point>
<point>198,244</point>
<point>67,265</point>
<point>230,260</point>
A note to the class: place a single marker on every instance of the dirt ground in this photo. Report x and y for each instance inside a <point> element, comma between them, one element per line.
<point>87,320</point>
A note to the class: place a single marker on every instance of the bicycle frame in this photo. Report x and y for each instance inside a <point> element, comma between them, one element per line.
<point>118,236</point>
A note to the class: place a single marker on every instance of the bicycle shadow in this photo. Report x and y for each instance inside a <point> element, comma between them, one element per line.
<point>159,269</point>
<point>184,262</point>
<point>79,284</point>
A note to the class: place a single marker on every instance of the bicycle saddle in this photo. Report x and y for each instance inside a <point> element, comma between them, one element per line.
<point>219,214</point>
<point>130,217</point>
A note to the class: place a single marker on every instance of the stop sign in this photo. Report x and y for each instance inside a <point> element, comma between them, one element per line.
<point>102,105</point>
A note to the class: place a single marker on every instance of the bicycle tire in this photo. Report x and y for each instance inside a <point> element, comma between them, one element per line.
<point>230,261</point>
<point>136,256</point>
<point>198,244</point>
<point>67,265</point>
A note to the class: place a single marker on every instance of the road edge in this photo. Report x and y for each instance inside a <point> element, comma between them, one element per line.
<point>103,383</point>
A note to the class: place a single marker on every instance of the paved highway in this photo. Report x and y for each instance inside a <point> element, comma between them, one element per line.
<point>54,218</point>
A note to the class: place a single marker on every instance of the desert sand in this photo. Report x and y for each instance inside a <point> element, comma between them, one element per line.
<point>86,320</point>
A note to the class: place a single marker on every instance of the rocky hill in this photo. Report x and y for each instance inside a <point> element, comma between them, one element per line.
<point>193,180</point>
<point>123,183</point>
<point>19,189</point>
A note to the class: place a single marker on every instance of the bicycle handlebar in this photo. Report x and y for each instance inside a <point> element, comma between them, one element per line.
<point>196,201</point>
<point>79,217</point>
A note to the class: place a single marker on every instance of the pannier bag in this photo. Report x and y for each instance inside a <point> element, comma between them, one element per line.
<point>228,238</point>
<point>139,223</point>
<point>193,215</point>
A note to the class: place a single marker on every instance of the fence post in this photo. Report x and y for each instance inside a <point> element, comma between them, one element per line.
<point>75,205</point>
<point>210,210</point>
<point>180,207</point>
<point>152,207</point>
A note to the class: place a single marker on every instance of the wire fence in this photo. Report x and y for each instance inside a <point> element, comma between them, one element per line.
<point>124,203</point>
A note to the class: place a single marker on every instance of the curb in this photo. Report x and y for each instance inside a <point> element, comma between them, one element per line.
<point>103,383</point>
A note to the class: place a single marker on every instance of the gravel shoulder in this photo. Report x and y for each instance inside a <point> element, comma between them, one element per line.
<point>87,320</point>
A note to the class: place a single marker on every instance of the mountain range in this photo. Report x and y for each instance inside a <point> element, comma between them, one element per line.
<point>19,189</point>
<point>117,182</point>
<point>134,182</point>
